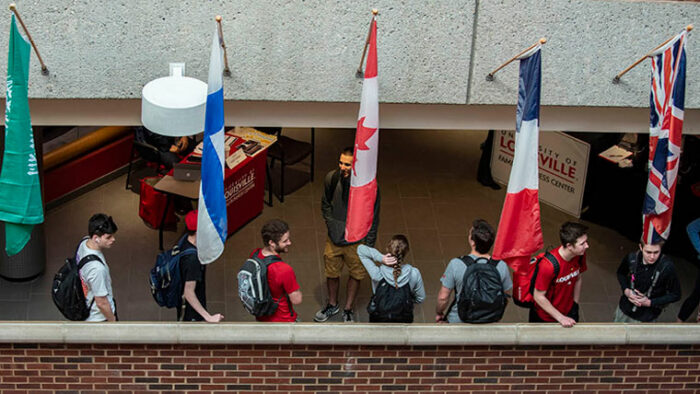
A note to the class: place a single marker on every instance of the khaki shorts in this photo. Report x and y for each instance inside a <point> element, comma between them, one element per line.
<point>335,255</point>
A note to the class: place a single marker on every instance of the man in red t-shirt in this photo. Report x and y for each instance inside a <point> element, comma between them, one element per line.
<point>556,299</point>
<point>280,275</point>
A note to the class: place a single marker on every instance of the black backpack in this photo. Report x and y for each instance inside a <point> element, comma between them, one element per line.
<point>482,299</point>
<point>253,287</point>
<point>67,289</point>
<point>165,278</point>
<point>390,304</point>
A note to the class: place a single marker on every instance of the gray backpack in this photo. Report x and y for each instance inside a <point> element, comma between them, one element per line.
<point>253,288</point>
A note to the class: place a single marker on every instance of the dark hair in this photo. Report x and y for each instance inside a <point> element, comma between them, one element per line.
<point>660,243</point>
<point>273,231</point>
<point>483,235</point>
<point>398,247</point>
<point>101,224</point>
<point>348,151</point>
<point>570,232</point>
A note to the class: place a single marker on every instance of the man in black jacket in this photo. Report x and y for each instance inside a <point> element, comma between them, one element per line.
<point>649,283</point>
<point>338,251</point>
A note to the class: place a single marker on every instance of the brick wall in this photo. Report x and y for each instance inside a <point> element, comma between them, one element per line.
<point>73,367</point>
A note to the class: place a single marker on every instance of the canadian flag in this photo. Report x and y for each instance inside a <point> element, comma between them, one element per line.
<point>363,179</point>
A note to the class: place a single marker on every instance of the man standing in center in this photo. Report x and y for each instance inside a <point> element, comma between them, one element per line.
<point>334,208</point>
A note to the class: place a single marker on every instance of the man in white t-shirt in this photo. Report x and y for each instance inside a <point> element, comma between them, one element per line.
<point>97,283</point>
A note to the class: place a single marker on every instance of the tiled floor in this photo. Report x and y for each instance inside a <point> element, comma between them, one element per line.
<point>429,193</point>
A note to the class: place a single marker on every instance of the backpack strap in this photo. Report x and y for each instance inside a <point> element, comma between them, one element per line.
<point>632,261</point>
<point>335,178</point>
<point>267,260</point>
<point>467,260</point>
<point>179,244</point>
<point>555,263</point>
<point>87,259</point>
<point>661,265</point>
<point>493,263</point>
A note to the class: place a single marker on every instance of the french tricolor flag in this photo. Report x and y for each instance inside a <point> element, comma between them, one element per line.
<point>519,231</point>
<point>211,220</point>
<point>363,179</point>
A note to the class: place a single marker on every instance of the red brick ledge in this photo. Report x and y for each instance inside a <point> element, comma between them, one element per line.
<point>347,334</point>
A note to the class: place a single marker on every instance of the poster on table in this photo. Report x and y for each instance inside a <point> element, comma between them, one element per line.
<point>563,161</point>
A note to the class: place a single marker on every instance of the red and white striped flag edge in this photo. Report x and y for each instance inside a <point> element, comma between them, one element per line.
<point>363,179</point>
<point>519,231</point>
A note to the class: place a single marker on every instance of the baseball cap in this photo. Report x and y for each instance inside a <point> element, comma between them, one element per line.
<point>191,220</point>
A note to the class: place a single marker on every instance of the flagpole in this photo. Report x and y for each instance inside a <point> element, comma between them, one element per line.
<point>489,77</point>
<point>44,69</point>
<point>623,72</point>
<point>358,74</point>
<point>227,71</point>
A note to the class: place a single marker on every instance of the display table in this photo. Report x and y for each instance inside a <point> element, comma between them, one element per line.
<point>244,188</point>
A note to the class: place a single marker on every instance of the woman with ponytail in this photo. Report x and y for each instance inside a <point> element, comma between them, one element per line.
<point>396,285</point>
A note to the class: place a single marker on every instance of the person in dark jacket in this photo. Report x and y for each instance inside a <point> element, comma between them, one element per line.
<point>170,149</point>
<point>338,251</point>
<point>649,282</point>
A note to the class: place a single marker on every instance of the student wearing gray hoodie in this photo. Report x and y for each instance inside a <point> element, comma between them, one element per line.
<point>392,272</point>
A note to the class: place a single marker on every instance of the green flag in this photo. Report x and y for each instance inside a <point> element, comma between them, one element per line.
<point>20,192</point>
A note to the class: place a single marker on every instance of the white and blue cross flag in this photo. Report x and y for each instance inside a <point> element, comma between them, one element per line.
<point>211,220</point>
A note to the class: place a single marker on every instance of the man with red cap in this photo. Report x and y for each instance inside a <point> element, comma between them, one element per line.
<point>193,274</point>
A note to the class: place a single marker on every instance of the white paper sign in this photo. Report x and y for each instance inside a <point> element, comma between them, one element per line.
<point>563,161</point>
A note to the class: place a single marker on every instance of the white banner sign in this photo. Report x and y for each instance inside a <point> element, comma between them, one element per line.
<point>563,161</point>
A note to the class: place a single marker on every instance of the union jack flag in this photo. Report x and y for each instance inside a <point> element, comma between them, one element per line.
<point>666,125</point>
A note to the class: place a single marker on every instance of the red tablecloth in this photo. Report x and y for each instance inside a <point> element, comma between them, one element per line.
<point>244,188</point>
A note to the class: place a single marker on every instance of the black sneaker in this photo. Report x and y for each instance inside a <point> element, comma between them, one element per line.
<point>326,313</point>
<point>348,316</point>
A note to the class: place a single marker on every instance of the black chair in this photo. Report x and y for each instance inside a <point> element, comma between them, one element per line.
<point>288,151</point>
<point>145,151</point>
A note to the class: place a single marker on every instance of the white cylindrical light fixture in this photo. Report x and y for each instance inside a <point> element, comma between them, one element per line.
<point>174,105</point>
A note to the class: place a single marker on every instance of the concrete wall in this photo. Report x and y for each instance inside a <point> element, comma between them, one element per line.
<point>349,334</point>
<point>308,50</point>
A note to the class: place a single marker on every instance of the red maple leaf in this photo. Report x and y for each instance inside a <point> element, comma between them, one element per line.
<point>361,136</point>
